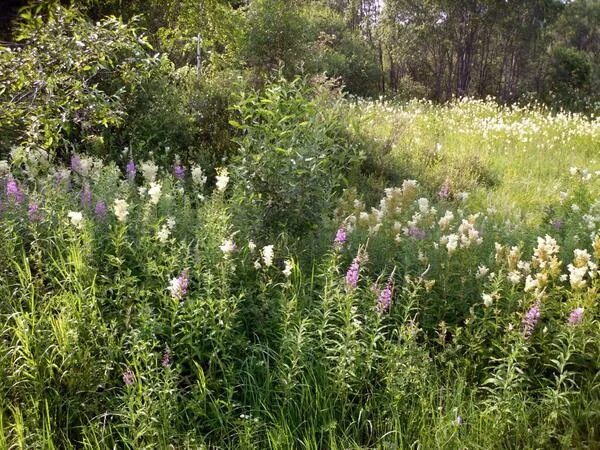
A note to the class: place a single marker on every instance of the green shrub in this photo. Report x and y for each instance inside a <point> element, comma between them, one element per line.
<point>293,156</point>
<point>70,84</point>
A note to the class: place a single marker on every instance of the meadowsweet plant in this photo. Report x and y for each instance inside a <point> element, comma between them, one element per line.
<point>120,208</point>
<point>178,286</point>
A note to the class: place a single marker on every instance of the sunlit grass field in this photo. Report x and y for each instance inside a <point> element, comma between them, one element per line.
<point>515,160</point>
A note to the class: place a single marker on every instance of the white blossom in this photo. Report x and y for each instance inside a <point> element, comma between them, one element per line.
<point>287,271</point>
<point>267,255</point>
<point>149,171</point>
<point>154,193</point>
<point>222,179</point>
<point>198,176</point>
<point>120,209</point>
<point>76,219</point>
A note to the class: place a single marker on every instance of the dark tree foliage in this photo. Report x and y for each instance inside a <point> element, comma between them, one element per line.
<point>440,49</point>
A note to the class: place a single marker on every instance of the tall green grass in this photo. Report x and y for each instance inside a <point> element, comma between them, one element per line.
<point>97,352</point>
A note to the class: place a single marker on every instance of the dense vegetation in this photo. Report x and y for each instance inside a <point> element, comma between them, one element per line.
<point>211,237</point>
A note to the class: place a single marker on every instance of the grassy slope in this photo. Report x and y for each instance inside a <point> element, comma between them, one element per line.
<point>513,160</point>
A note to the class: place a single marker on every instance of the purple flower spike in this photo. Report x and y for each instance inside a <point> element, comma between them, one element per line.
<point>575,317</point>
<point>340,237</point>
<point>86,195</point>
<point>75,163</point>
<point>100,209</point>
<point>557,224</point>
<point>444,191</point>
<point>178,286</point>
<point>167,357</point>
<point>352,274</point>
<point>384,300</point>
<point>531,319</point>
<point>179,172</point>
<point>416,233</point>
<point>131,169</point>
<point>33,212</point>
<point>128,377</point>
<point>13,192</point>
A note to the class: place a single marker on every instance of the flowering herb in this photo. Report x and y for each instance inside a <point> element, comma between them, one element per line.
<point>352,273</point>
<point>576,317</point>
<point>167,358</point>
<point>100,209</point>
<point>179,172</point>
<point>178,286</point>
<point>13,192</point>
<point>131,169</point>
<point>33,212</point>
<point>86,195</point>
<point>531,319</point>
<point>128,377</point>
<point>341,236</point>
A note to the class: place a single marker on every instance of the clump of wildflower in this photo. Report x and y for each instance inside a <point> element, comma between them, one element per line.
<point>86,195</point>
<point>423,205</point>
<point>482,271</point>
<point>178,286</point>
<point>575,317</point>
<point>288,266</point>
<point>120,209</point>
<point>13,192</point>
<point>154,192</point>
<point>488,300</point>
<point>557,224</point>
<point>76,163</point>
<point>128,377</point>
<point>468,234</point>
<point>76,219</point>
<point>352,273</point>
<point>267,255</point>
<point>149,171</point>
<point>61,176</point>
<point>384,300</point>
<point>222,179</point>
<point>198,176</point>
<point>451,243</point>
<point>167,358</point>
<point>444,191</point>
<point>228,247</point>
<point>4,168</point>
<point>251,246</point>
<point>514,277</point>
<point>33,212</point>
<point>179,171</point>
<point>416,233</point>
<point>531,319</point>
<point>340,237</point>
<point>163,234</point>
<point>131,169</point>
<point>165,231</point>
<point>100,209</point>
<point>444,222</point>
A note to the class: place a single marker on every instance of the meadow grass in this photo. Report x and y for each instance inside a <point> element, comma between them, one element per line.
<point>515,160</point>
<point>140,309</point>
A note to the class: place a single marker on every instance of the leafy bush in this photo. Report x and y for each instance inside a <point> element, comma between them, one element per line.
<point>293,156</point>
<point>309,40</point>
<point>70,84</point>
<point>76,87</point>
